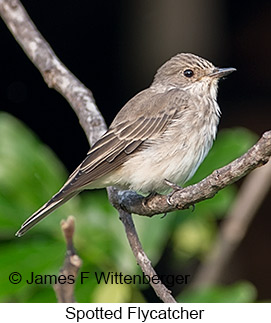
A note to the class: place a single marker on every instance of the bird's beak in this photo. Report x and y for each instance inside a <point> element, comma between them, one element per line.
<point>221,72</point>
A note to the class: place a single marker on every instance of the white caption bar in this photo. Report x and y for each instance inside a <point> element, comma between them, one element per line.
<point>145,313</point>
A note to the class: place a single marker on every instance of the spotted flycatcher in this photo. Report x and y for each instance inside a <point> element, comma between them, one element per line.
<point>160,136</point>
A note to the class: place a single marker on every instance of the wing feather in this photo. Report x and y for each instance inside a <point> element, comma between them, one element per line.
<point>121,140</point>
<point>146,117</point>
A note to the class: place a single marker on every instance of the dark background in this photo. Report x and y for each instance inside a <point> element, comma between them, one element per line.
<point>115,47</point>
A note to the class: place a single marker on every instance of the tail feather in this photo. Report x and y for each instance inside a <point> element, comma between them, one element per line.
<point>45,210</point>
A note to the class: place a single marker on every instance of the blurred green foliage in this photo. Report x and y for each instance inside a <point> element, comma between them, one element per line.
<point>241,292</point>
<point>30,174</point>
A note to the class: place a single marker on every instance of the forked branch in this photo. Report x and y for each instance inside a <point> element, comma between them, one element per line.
<point>57,76</point>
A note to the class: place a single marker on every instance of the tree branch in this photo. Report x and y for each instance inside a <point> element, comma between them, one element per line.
<point>54,72</point>
<point>143,261</point>
<point>57,76</point>
<point>72,264</point>
<point>234,227</point>
<point>256,156</point>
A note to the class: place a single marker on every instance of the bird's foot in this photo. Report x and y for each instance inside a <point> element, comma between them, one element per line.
<point>175,188</point>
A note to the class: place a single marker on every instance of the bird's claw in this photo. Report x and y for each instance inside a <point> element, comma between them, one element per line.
<point>168,199</point>
<point>164,215</point>
<point>175,188</point>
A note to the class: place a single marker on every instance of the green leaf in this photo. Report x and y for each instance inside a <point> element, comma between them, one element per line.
<point>29,175</point>
<point>195,231</point>
<point>193,238</point>
<point>37,256</point>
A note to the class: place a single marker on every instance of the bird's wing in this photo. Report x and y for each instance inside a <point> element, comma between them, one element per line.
<point>122,139</point>
<point>115,146</point>
<point>142,118</point>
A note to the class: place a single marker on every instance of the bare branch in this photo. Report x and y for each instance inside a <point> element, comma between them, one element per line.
<point>235,226</point>
<point>65,289</point>
<point>54,72</point>
<point>256,156</point>
<point>143,261</point>
<point>57,76</point>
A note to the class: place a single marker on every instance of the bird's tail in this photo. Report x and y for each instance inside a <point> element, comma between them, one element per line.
<point>57,200</point>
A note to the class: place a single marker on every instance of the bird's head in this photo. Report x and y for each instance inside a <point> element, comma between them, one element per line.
<point>191,73</point>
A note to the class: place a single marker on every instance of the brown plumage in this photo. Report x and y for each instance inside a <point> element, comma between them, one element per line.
<point>164,132</point>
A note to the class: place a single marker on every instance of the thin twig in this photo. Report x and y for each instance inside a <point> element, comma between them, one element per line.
<point>64,288</point>
<point>57,76</point>
<point>235,226</point>
<point>143,261</point>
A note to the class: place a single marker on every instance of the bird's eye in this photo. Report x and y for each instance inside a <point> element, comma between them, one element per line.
<point>188,73</point>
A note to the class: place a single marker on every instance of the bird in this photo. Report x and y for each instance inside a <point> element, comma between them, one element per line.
<point>159,137</point>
